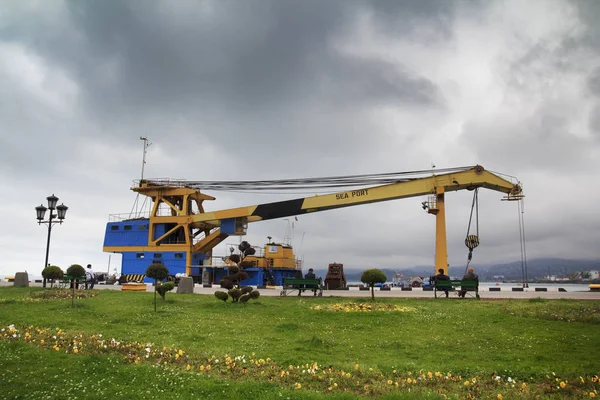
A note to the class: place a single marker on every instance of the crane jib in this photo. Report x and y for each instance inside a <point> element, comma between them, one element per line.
<point>354,193</point>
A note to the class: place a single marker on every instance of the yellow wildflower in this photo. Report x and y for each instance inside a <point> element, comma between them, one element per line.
<point>75,350</point>
<point>592,394</point>
<point>208,367</point>
<point>202,368</point>
<point>523,385</point>
<point>429,375</point>
<point>335,385</point>
<point>409,380</point>
<point>390,382</point>
<point>356,367</point>
<point>466,383</point>
<point>499,396</point>
<point>188,367</point>
<point>563,384</point>
<point>298,386</point>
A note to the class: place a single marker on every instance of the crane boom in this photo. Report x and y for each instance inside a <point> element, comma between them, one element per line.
<point>469,179</point>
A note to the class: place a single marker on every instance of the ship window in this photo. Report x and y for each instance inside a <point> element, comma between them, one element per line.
<point>114,228</point>
<point>139,255</point>
<point>127,227</point>
<point>157,255</point>
<point>142,227</point>
<point>178,255</point>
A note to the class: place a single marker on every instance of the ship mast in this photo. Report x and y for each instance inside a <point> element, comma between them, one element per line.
<point>135,203</point>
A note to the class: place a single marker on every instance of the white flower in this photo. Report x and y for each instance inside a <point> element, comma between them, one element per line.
<point>498,377</point>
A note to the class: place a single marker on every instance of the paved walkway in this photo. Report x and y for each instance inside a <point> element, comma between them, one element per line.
<point>527,293</point>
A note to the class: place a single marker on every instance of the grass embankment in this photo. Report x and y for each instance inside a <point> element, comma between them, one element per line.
<point>113,345</point>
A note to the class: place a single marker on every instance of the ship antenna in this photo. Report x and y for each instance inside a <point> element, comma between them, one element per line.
<point>137,197</point>
<point>146,145</point>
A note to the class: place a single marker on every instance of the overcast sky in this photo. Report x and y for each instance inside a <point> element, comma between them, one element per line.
<point>259,89</point>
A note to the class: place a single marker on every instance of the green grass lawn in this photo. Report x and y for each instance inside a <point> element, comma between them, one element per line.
<point>113,345</point>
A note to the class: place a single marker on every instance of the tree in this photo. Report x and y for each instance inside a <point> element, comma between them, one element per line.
<point>233,281</point>
<point>371,277</point>
<point>75,271</point>
<point>52,273</point>
<point>158,272</point>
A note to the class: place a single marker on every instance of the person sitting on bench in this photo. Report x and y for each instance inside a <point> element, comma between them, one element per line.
<point>469,276</point>
<point>442,277</point>
<point>311,275</point>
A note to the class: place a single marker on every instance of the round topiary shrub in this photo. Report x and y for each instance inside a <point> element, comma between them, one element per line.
<point>221,295</point>
<point>235,258</point>
<point>371,277</point>
<point>233,269</point>
<point>76,270</point>
<point>247,289</point>
<point>157,271</point>
<point>52,273</point>
<point>235,294</point>
<point>255,294</point>
<point>244,298</point>
<point>226,284</point>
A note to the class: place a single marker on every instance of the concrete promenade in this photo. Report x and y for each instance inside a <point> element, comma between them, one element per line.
<point>485,294</point>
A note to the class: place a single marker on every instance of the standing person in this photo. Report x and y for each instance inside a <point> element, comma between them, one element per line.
<point>469,276</point>
<point>90,277</point>
<point>442,277</point>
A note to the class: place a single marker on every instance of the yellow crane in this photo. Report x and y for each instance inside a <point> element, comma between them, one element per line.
<point>179,222</point>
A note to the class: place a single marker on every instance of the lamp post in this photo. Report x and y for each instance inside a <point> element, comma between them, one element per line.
<point>60,215</point>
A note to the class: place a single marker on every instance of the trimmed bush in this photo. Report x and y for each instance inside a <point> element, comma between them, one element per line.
<point>221,295</point>
<point>235,294</point>
<point>76,270</point>
<point>226,284</point>
<point>255,294</point>
<point>371,277</point>
<point>247,289</point>
<point>157,271</point>
<point>165,287</point>
<point>52,273</point>
<point>233,269</point>
<point>244,298</point>
<point>235,258</point>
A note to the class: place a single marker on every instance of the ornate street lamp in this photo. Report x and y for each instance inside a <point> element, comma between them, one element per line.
<point>61,211</point>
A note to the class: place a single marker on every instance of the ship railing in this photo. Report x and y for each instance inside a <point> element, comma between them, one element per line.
<point>128,216</point>
<point>175,182</point>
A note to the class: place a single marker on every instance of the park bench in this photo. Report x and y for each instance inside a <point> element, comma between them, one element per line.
<point>65,282</point>
<point>301,284</point>
<point>471,287</point>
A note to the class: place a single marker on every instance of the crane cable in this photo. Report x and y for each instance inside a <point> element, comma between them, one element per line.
<point>472,241</point>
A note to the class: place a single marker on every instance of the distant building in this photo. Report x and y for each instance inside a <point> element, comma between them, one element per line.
<point>595,274</point>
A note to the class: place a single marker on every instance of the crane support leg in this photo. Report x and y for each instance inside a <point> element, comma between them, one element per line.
<point>441,249</point>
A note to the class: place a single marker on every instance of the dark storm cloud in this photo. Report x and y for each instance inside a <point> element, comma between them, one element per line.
<point>243,56</point>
